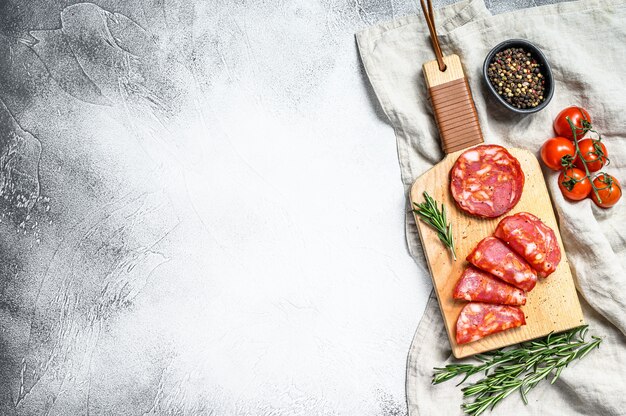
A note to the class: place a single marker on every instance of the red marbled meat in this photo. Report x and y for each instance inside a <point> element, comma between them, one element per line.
<point>480,286</point>
<point>486,181</point>
<point>529,237</point>
<point>493,256</point>
<point>477,320</point>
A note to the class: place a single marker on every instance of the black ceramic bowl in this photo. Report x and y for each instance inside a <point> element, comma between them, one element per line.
<point>544,68</point>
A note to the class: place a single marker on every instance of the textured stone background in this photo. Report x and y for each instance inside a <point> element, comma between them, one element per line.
<point>201,211</point>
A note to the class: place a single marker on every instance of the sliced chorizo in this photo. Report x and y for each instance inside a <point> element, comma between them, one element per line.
<point>493,256</point>
<point>477,320</point>
<point>529,237</point>
<point>480,286</point>
<point>487,181</point>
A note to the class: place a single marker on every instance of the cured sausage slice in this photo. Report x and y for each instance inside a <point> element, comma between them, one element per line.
<point>529,237</point>
<point>477,320</point>
<point>476,285</point>
<point>486,181</point>
<point>493,256</point>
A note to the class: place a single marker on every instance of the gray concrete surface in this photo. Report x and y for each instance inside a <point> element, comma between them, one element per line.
<point>201,211</point>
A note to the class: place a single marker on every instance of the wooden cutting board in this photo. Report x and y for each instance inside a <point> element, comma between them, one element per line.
<point>552,306</point>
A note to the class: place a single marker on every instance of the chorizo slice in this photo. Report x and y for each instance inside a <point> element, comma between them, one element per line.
<point>477,285</point>
<point>529,237</point>
<point>493,256</point>
<point>487,181</point>
<point>477,320</point>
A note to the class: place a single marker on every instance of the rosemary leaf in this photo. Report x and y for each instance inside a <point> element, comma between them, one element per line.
<point>517,369</point>
<point>430,214</point>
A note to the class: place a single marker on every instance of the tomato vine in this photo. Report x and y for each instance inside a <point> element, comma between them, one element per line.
<point>570,181</point>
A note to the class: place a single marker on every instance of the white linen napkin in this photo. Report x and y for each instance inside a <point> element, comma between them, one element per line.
<point>585,42</point>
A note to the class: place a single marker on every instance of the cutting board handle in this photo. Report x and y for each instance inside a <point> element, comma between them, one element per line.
<point>452,102</point>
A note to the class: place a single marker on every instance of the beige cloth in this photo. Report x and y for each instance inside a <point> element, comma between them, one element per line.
<point>585,43</point>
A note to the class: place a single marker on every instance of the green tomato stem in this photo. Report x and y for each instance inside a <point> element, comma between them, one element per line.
<point>582,159</point>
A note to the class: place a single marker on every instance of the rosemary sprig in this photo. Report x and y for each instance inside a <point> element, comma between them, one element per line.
<point>521,368</point>
<point>431,215</point>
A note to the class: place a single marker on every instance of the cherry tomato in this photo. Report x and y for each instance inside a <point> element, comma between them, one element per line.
<point>558,152</point>
<point>577,115</point>
<point>574,184</point>
<point>609,190</point>
<point>594,153</point>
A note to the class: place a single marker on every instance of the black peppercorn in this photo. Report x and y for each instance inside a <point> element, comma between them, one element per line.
<point>516,76</point>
